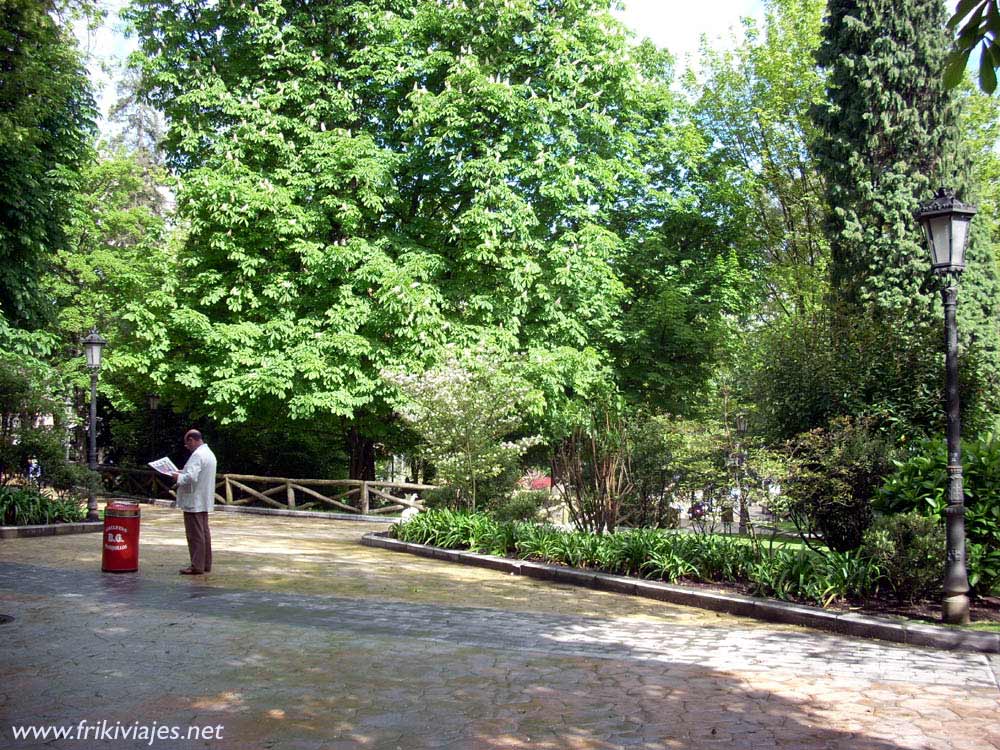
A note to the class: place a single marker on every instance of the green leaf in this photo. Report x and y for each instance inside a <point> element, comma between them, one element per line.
<point>961,11</point>
<point>987,71</point>
<point>955,68</point>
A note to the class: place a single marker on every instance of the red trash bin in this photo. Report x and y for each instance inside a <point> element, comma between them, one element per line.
<point>121,537</point>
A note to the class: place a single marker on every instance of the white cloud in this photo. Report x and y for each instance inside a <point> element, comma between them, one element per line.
<point>677,25</point>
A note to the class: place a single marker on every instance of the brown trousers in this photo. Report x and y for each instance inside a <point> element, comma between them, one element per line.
<point>199,539</point>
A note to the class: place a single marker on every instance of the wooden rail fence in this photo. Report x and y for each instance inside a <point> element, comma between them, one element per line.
<point>344,495</point>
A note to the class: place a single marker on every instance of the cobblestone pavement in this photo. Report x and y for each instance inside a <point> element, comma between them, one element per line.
<point>302,638</point>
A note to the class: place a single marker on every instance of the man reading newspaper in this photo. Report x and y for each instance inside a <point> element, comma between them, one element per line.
<point>196,497</point>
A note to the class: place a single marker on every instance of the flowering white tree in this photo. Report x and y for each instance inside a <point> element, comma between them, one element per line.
<point>464,410</point>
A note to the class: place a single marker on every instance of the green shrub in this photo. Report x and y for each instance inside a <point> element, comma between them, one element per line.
<point>920,484</point>
<point>908,549</point>
<point>26,506</point>
<point>523,505</point>
<point>804,574</point>
<point>837,472</point>
<point>659,456</point>
<point>628,551</point>
<point>537,541</point>
<point>983,564</point>
<point>442,497</point>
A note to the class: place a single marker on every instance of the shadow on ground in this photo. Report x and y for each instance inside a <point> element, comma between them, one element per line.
<point>279,670</point>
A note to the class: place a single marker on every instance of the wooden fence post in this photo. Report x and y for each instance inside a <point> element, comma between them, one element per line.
<point>229,491</point>
<point>290,493</point>
<point>364,498</point>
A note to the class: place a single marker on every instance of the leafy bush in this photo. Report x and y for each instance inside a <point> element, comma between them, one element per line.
<point>781,572</point>
<point>26,506</point>
<point>467,411</point>
<point>909,550</point>
<point>659,452</point>
<point>804,574</point>
<point>812,367</point>
<point>523,505</point>
<point>837,472</point>
<point>920,484</point>
<point>983,567</point>
<point>443,497</point>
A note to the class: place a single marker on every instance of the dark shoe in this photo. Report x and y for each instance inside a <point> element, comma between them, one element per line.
<point>191,572</point>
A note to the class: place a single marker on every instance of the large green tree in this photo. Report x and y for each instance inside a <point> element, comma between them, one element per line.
<point>753,103</point>
<point>362,183</point>
<point>761,190</point>
<point>685,269</point>
<point>887,138</point>
<point>46,126</point>
<point>116,253</point>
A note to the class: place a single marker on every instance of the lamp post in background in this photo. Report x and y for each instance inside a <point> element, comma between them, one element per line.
<point>741,431</point>
<point>93,343</point>
<point>153,400</point>
<point>946,223</point>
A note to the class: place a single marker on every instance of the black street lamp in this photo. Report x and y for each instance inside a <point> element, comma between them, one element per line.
<point>741,431</point>
<point>946,223</point>
<point>153,399</point>
<point>92,346</point>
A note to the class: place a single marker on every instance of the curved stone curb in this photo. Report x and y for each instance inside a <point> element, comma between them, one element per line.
<point>770,610</point>
<point>52,529</point>
<point>286,513</point>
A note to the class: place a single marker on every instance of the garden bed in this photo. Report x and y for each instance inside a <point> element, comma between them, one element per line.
<point>984,612</point>
<point>846,584</point>
<point>717,598</point>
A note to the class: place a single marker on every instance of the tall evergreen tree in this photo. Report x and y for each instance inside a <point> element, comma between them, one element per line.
<point>887,138</point>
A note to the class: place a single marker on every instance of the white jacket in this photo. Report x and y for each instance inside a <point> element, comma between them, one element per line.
<point>196,483</point>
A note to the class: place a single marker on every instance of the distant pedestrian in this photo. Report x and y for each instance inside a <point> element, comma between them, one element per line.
<point>34,471</point>
<point>196,497</point>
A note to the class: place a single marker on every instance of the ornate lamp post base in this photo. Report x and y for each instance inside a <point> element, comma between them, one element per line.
<point>955,609</point>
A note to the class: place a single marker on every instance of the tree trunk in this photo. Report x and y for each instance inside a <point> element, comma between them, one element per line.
<point>362,452</point>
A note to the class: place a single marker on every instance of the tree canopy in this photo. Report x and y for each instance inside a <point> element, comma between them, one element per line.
<point>363,183</point>
<point>298,196</point>
<point>46,128</point>
<point>888,136</point>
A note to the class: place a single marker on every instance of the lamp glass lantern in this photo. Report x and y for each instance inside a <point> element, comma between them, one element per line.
<point>93,343</point>
<point>153,400</point>
<point>945,221</point>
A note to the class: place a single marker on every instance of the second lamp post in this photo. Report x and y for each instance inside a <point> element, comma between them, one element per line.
<point>93,343</point>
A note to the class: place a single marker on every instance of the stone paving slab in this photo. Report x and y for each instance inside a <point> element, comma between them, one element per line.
<point>302,638</point>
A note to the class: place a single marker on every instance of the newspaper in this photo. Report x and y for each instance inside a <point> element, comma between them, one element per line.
<point>164,466</point>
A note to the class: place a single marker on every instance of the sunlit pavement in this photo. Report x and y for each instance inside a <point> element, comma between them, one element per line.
<point>302,638</point>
